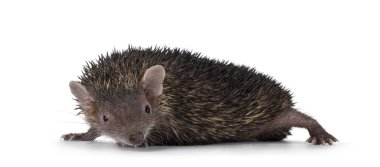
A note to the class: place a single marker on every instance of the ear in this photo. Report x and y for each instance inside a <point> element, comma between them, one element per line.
<point>153,79</point>
<point>81,93</point>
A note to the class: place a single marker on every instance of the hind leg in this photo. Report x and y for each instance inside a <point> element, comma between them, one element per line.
<point>294,118</point>
<point>274,135</point>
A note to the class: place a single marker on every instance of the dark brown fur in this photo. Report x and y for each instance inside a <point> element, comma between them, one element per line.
<point>203,101</point>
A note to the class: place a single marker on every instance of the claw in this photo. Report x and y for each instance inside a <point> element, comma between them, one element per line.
<point>322,138</point>
<point>68,137</point>
<point>314,141</point>
<point>323,142</point>
<point>146,144</point>
<point>122,145</point>
<point>330,141</point>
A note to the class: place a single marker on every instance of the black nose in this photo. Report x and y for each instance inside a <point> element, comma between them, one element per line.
<point>136,138</point>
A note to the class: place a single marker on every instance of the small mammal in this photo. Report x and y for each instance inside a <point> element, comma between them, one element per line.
<point>163,96</point>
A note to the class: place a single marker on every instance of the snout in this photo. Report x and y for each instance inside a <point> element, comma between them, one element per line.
<point>136,138</point>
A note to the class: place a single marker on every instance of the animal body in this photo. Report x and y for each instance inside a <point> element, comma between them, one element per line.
<point>163,96</point>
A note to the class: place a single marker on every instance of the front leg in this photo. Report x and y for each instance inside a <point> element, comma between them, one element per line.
<point>90,135</point>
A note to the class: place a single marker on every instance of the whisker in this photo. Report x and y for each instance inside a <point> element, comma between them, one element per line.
<point>73,122</point>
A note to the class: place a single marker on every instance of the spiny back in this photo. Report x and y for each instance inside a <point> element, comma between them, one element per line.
<point>122,71</point>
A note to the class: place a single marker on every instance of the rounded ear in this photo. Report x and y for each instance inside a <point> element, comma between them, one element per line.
<point>81,93</point>
<point>153,79</point>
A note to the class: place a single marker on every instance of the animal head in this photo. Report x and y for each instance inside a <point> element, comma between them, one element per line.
<point>126,116</point>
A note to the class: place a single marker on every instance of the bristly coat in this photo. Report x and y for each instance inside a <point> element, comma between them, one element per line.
<point>203,100</point>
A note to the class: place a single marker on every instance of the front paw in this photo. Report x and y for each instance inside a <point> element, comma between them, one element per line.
<point>321,138</point>
<point>76,137</point>
<point>122,145</point>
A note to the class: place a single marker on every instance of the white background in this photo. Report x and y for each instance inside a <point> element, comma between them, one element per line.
<point>325,51</point>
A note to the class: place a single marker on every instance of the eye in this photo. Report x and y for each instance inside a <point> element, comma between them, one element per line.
<point>105,118</point>
<point>147,109</point>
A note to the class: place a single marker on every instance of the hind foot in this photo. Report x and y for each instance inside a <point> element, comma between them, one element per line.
<point>323,138</point>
